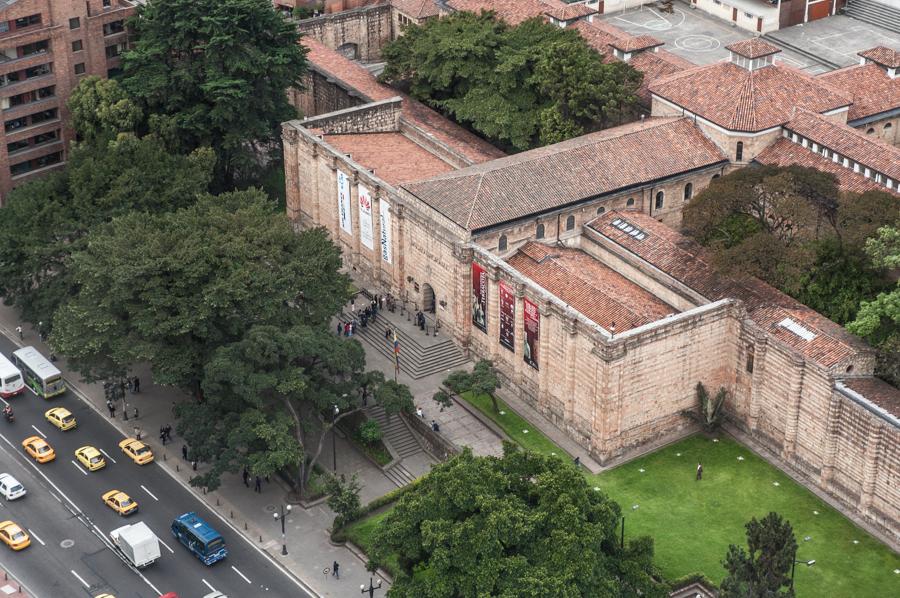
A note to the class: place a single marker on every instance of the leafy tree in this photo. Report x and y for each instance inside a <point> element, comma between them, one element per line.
<point>214,73</point>
<point>369,431</point>
<point>520,86</point>
<point>100,109</point>
<point>172,288</point>
<point>521,525</point>
<point>763,570</point>
<point>482,380</point>
<point>46,221</point>
<point>344,496</point>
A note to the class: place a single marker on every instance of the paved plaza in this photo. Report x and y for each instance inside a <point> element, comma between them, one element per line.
<point>836,39</point>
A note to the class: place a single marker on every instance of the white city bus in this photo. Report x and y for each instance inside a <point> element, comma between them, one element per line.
<point>11,382</point>
<point>41,375</point>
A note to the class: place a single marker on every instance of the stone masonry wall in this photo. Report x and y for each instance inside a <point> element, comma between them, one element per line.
<point>358,34</point>
<point>376,117</point>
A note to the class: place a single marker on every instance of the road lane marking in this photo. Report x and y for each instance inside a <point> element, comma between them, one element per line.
<point>164,544</point>
<point>212,589</point>
<point>241,574</point>
<point>36,537</point>
<point>107,455</point>
<point>38,431</point>
<point>79,467</point>
<point>4,401</point>
<point>150,493</point>
<point>79,578</point>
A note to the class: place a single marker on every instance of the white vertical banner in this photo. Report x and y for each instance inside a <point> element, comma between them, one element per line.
<point>366,234</point>
<point>385,219</point>
<point>344,203</point>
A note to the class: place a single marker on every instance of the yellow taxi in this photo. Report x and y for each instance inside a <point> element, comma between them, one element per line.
<point>90,458</point>
<point>14,536</point>
<point>120,502</point>
<point>39,450</point>
<point>61,417</point>
<point>139,452</point>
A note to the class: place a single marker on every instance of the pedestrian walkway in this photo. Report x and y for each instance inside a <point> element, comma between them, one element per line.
<point>11,588</point>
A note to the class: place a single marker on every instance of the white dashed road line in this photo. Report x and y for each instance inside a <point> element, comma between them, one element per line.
<point>36,537</point>
<point>150,493</point>
<point>79,578</point>
<point>212,589</point>
<point>241,574</point>
<point>105,454</point>
<point>164,544</point>
<point>38,431</point>
<point>79,467</point>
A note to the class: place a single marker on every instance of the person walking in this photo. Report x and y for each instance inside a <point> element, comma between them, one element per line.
<point>340,327</point>
<point>136,385</point>
<point>19,331</point>
<point>699,471</point>
<point>246,475</point>
<point>335,570</point>
<point>258,485</point>
<point>184,454</point>
<point>112,408</point>
<point>420,413</point>
<point>168,430</point>
<point>162,435</point>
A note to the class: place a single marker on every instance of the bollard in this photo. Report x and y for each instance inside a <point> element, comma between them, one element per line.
<point>260,539</point>
<point>232,514</point>
<point>177,468</point>
<point>217,502</point>
<point>165,457</point>
<point>245,527</point>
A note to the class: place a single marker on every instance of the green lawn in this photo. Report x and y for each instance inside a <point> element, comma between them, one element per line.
<point>361,532</point>
<point>693,522</point>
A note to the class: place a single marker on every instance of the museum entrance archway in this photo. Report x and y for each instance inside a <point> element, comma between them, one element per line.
<point>427,299</point>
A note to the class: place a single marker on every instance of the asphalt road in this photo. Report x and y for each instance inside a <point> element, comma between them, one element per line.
<point>88,567</point>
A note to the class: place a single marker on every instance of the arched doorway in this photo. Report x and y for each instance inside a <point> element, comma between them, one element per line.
<point>427,299</point>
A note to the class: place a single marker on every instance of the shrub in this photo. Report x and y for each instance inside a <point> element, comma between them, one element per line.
<point>369,432</point>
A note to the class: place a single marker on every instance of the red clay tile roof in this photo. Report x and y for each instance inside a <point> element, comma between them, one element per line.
<point>585,283</point>
<point>847,141</point>
<point>743,100</point>
<point>563,11</point>
<point>877,391</point>
<point>635,42</point>
<point>785,153</point>
<point>417,9</point>
<point>566,173</point>
<point>873,92</point>
<point>355,76</point>
<point>688,262</point>
<point>516,11</point>
<point>395,158</point>
<point>753,48</point>
<point>883,55</point>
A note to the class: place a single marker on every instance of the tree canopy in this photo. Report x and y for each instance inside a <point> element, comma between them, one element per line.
<point>519,86</point>
<point>100,109</point>
<point>524,525</point>
<point>214,73</point>
<point>763,570</point>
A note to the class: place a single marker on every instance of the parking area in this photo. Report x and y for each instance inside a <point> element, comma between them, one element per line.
<point>837,39</point>
<point>695,35</point>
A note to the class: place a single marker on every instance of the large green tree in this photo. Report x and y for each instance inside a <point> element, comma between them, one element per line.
<point>519,86</point>
<point>763,570</point>
<point>100,109</point>
<point>45,221</point>
<point>214,73</point>
<point>524,525</point>
<point>172,288</point>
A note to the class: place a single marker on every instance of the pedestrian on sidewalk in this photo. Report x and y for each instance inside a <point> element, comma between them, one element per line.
<point>112,408</point>
<point>340,326</point>
<point>335,570</point>
<point>137,433</point>
<point>162,435</point>
<point>19,331</point>
<point>184,452</point>
<point>577,461</point>
<point>136,385</point>
<point>246,475</point>
<point>258,485</point>
<point>168,431</point>
<point>420,413</point>
<point>136,413</point>
<point>387,333</point>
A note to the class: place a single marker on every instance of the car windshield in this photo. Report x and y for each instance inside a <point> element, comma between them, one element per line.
<point>16,488</point>
<point>141,450</point>
<point>19,535</point>
<point>13,378</point>
<point>215,544</point>
<point>43,449</point>
<point>125,502</point>
<point>96,459</point>
<point>68,418</point>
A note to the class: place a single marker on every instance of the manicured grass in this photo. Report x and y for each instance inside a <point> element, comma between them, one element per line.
<point>693,522</point>
<point>514,426</point>
<point>361,533</point>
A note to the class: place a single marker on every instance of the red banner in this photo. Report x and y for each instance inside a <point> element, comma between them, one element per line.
<point>532,321</point>
<point>507,316</point>
<point>479,297</point>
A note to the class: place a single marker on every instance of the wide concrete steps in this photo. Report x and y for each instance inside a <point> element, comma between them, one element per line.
<point>416,359</point>
<point>875,13</point>
<point>773,37</point>
<point>395,431</point>
<point>399,475</point>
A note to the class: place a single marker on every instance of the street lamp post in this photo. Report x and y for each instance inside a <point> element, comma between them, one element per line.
<point>334,414</point>
<point>371,589</point>
<point>794,565</point>
<point>284,511</point>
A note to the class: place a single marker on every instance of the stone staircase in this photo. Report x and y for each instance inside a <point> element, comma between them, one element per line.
<point>875,13</point>
<point>775,38</point>
<point>417,359</point>
<point>400,441</point>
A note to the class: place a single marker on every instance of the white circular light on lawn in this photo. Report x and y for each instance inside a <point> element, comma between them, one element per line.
<point>815,512</point>
<point>503,413</point>
<point>856,541</point>
<point>596,488</point>
<point>715,440</point>
<point>740,458</point>
<point>776,484</point>
<point>641,470</point>
<point>524,431</point>
<point>807,538</point>
<point>677,454</point>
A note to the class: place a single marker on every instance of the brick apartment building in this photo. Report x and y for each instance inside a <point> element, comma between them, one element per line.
<point>46,47</point>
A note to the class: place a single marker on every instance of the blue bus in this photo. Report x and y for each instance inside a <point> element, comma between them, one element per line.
<point>200,538</point>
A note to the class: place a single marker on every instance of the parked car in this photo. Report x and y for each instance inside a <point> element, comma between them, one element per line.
<point>10,487</point>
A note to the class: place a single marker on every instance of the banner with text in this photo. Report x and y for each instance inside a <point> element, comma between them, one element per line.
<point>384,215</point>
<point>532,320</point>
<point>479,297</point>
<point>366,235</point>
<point>344,217</point>
<point>507,316</point>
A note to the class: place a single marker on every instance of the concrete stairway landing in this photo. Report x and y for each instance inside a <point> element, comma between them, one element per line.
<point>875,13</point>
<point>400,442</point>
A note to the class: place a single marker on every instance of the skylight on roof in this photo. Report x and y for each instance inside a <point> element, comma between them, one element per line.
<point>797,329</point>
<point>630,229</point>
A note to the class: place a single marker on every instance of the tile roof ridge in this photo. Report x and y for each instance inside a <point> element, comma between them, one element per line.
<point>746,101</point>
<point>816,80</point>
<point>474,202</point>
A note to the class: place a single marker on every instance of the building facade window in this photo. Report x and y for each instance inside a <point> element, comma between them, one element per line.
<point>77,45</point>
<point>79,68</point>
<point>630,202</point>
<point>570,222</point>
<point>688,191</point>
<point>660,199</point>
<point>739,152</point>
<point>113,27</point>
<point>501,246</point>
<point>870,130</point>
<point>539,231</point>
<point>600,210</point>
<point>74,23</point>
<point>888,126</point>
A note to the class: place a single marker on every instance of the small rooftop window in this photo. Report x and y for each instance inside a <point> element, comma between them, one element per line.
<point>797,329</point>
<point>630,229</point>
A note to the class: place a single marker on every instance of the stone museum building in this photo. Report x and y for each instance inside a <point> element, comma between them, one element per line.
<point>564,266</point>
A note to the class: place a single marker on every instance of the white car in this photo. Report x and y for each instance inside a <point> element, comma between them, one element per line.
<point>215,594</point>
<point>10,487</point>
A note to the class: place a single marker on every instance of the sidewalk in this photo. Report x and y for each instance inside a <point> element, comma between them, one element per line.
<point>11,588</point>
<point>310,550</point>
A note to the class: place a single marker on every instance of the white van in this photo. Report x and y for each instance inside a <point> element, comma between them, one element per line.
<point>11,382</point>
<point>10,487</point>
